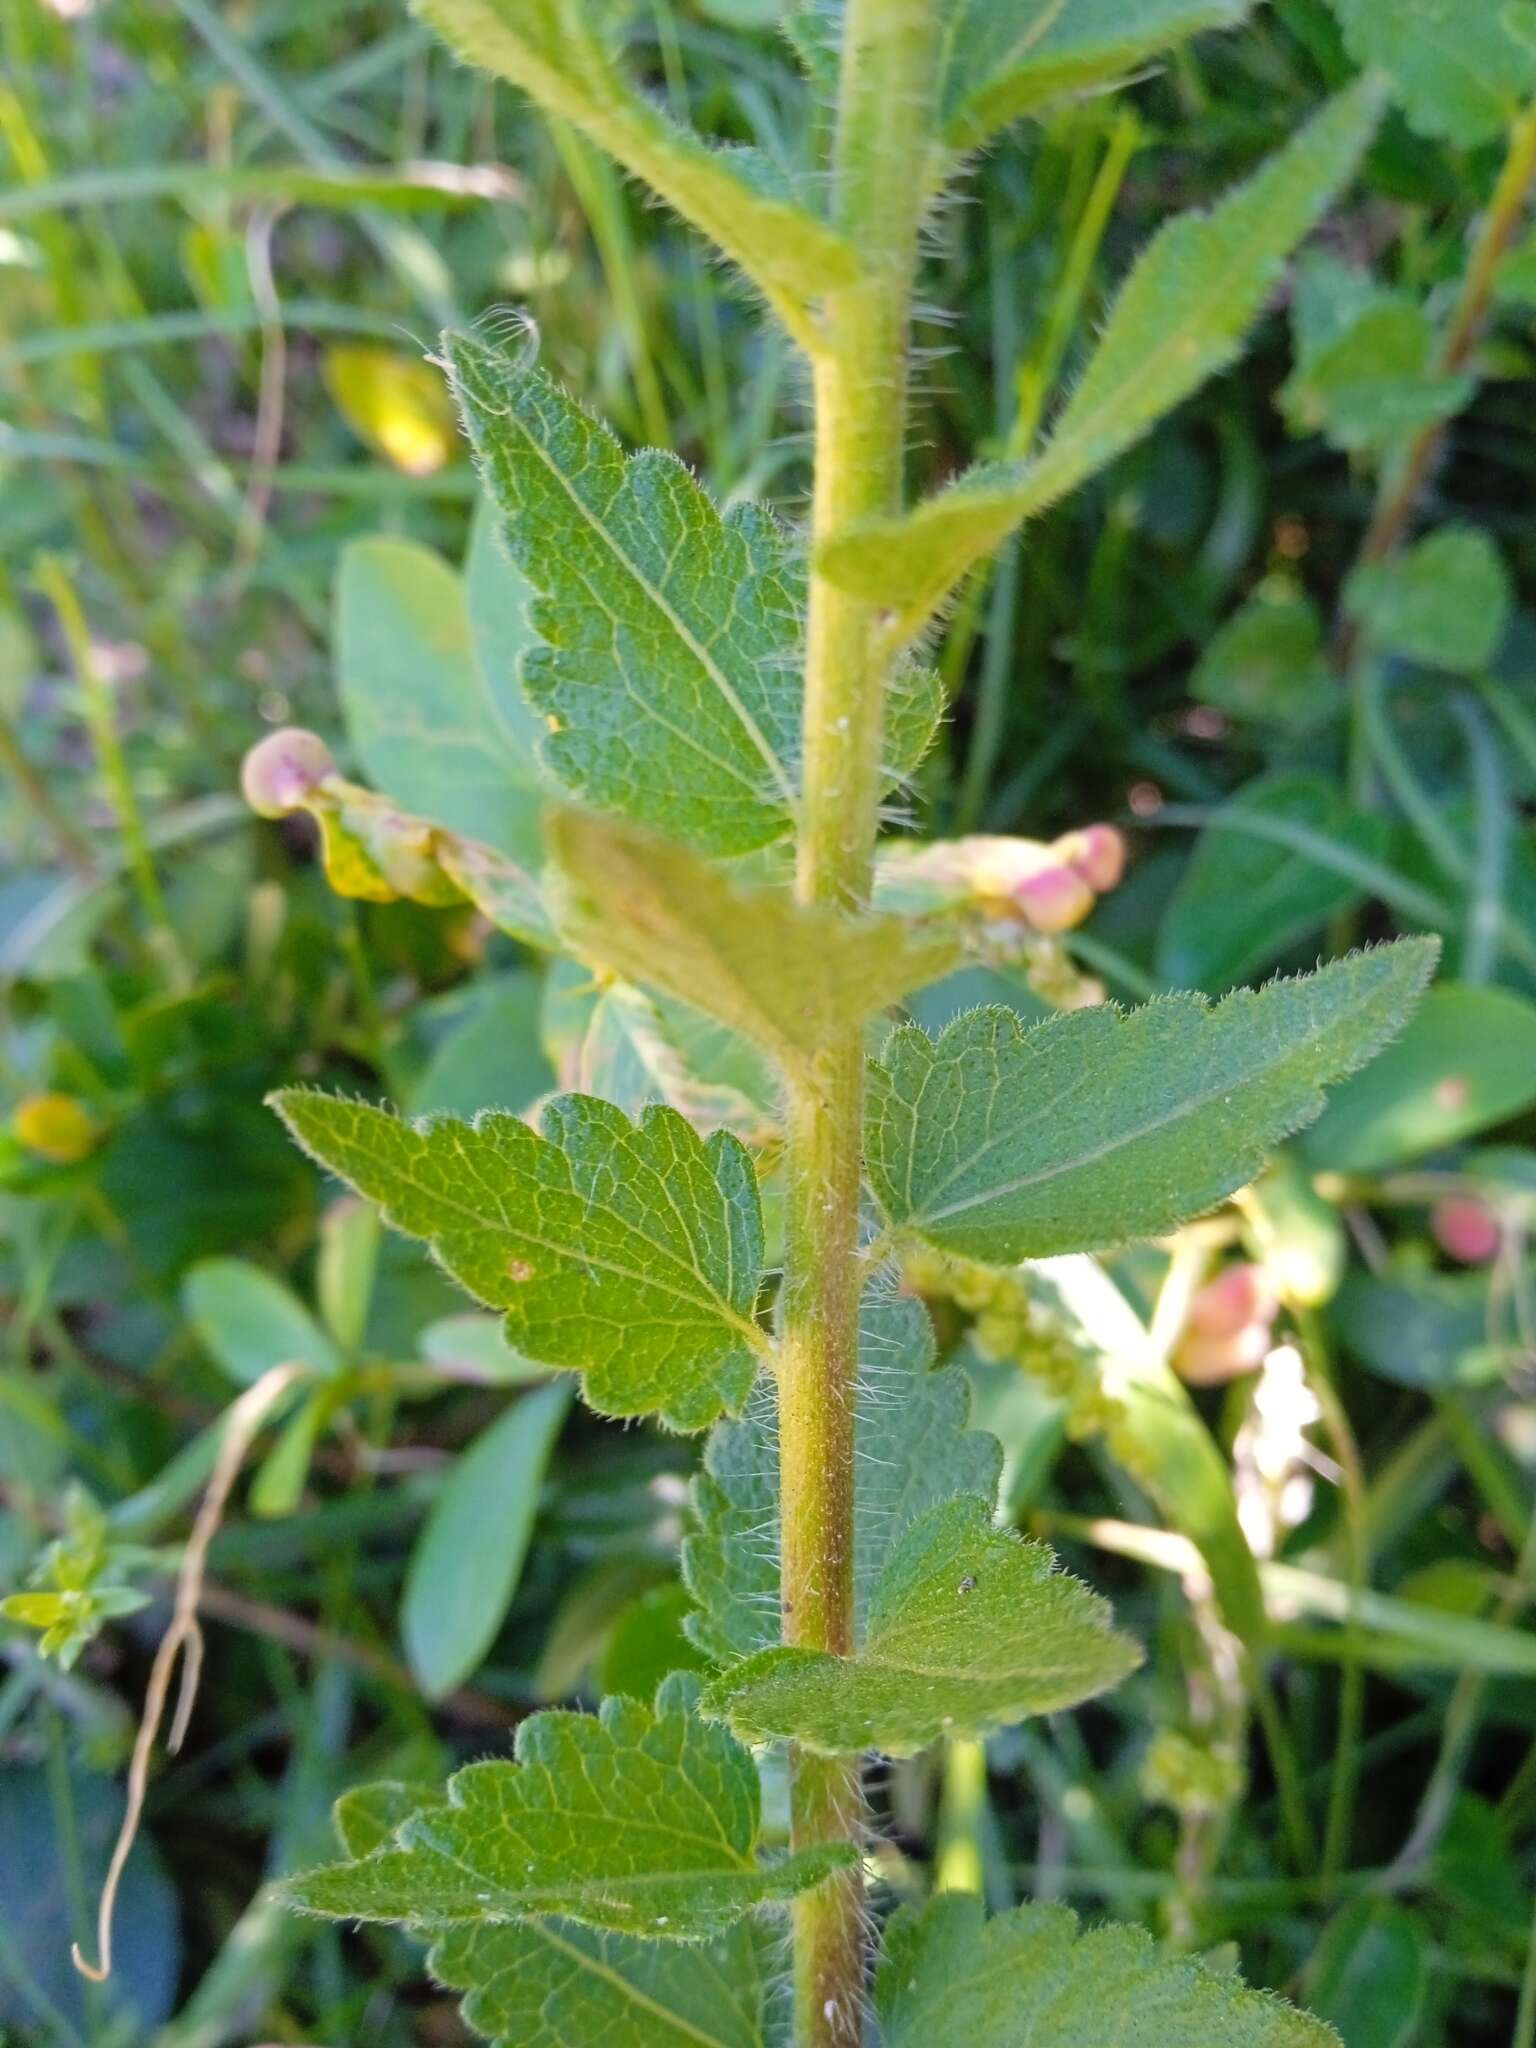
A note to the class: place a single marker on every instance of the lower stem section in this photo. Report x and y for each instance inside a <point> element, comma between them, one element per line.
<point>818,1386</point>
<point>828,1805</point>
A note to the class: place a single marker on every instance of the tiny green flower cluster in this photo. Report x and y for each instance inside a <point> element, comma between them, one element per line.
<point>1196,1778</point>
<point>1012,1325</point>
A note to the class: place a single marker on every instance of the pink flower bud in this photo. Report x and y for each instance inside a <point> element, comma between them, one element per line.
<point>1097,853</point>
<point>1054,900</point>
<point>280,771</point>
<point>1213,1361</point>
<point>1466,1229</point>
<point>1239,1295</point>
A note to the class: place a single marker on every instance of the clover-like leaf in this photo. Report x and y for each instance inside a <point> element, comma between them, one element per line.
<point>788,976</point>
<point>1006,58</point>
<point>950,1978</point>
<point>637,1820</point>
<point>1461,68</point>
<point>630,1252</point>
<point>1180,318</point>
<point>1102,1126</point>
<point>970,1628</point>
<point>668,672</point>
<point>912,1451</point>
<point>1444,602</point>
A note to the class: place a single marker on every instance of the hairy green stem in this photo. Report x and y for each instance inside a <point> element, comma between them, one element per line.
<point>861,371</point>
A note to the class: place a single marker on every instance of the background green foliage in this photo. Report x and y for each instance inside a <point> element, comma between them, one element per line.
<point>232,497</point>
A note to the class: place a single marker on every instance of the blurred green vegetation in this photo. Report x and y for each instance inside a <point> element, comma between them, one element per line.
<point>1289,644</point>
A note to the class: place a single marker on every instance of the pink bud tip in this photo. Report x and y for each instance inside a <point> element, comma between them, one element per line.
<point>1054,900</point>
<point>1239,1295</point>
<point>1466,1230</point>
<point>1214,1361</point>
<point>281,770</point>
<point>1097,853</point>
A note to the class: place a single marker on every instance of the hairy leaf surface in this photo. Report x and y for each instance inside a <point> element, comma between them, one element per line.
<point>1032,1978</point>
<point>788,977</point>
<point>632,1820</point>
<point>1004,58</point>
<point>1180,318</point>
<point>557,1984</point>
<point>1101,1126</point>
<point>669,669</point>
<point>970,1628</point>
<point>913,1451</point>
<point>630,1252</point>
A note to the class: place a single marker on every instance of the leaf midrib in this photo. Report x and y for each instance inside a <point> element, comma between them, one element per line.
<point>701,653</point>
<point>1129,1135</point>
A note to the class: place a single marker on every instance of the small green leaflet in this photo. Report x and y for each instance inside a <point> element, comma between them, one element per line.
<point>669,670</point>
<point>950,1978</point>
<point>1005,58</point>
<point>1101,1126</point>
<point>557,1984</point>
<point>912,1451</point>
<point>1367,372</point>
<point>1180,318</point>
<point>970,1628</point>
<point>468,1558</point>
<point>1461,68</point>
<point>1445,602</point>
<point>549,49</point>
<point>433,730</point>
<point>630,1252</point>
<point>790,978</point>
<point>632,1820</point>
<point>250,1322</point>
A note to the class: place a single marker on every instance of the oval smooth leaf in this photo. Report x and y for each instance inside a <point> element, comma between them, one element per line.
<point>469,1556</point>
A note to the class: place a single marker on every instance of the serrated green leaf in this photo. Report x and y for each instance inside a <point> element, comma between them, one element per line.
<point>467,1560</point>
<point>630,1252</point>
<point>668,672</point>
<point>633,1820</point>
<point>1100,1126</point>
<point>551,49</point>
<point>556,1984</point>
<point>1461,68</point>
<point>367,1816</point>
<point>1243,902</point>
<point>970,1628</point>
<point>497,596</point>
<point>1032,1978</point>
<point>912,1451</point>
<point>791,978</point>
<point>1006,58</point>
<point>428,725</point>
<point>1180,318</point>
<point>1444,602</point>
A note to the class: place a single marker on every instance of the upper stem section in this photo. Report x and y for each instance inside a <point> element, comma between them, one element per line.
<point>861,366</point>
